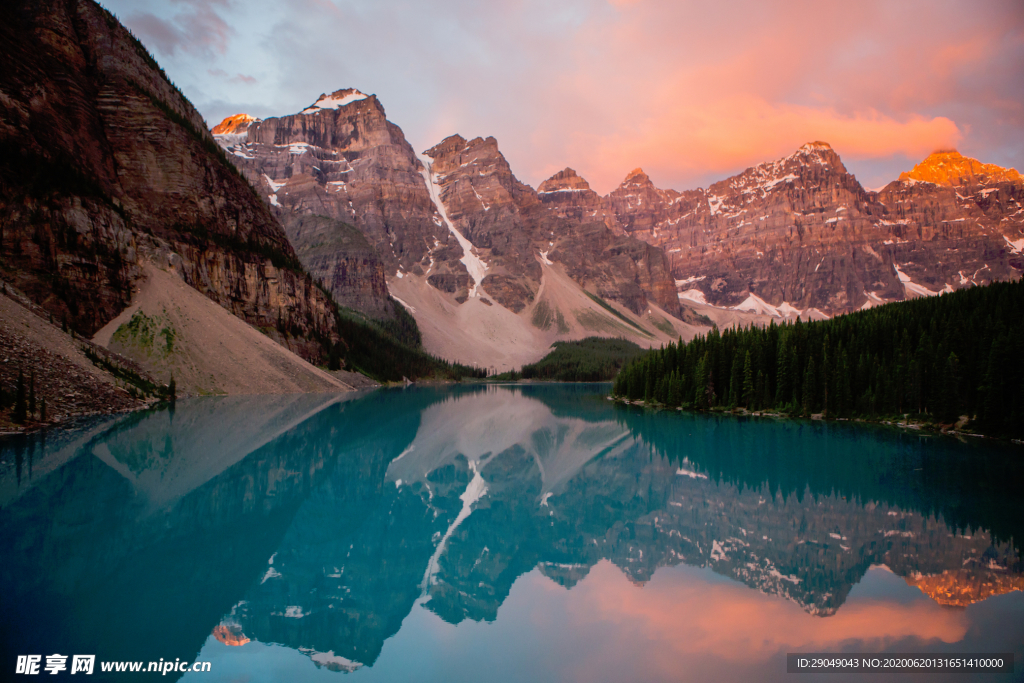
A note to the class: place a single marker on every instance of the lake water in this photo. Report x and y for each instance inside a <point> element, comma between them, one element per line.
<point>526,533</point>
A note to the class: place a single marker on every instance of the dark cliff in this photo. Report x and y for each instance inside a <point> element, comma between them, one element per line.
<point>104,163</point>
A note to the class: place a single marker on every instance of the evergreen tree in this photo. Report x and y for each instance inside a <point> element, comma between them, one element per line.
<point>748,382</point>
<point>700,385</point>
<point>844,395</point>
<point>809,387</point>
<point>950,407</point>
<point>826,371</point>
<point>783,381</point>
<point>794,376</point>
<point>675,396</point>
<point>946,356</point>
<point>736,384</point>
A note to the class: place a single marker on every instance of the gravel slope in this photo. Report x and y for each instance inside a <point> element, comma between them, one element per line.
<point>208,350</point>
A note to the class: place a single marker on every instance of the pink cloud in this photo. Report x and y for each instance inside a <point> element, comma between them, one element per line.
<point>736,131</point>
<point>198,29</point>
<point>683,618</point>
<point>686,92</point>
<point>690,91</point>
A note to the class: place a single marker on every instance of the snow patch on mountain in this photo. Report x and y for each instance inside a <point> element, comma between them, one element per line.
<point>910,287</point>
<point>1016,246</point>
<point>335,101</point>
<point>755,304</point>
<point>694,295</point>
<point>331,661</point>
<point>474,264</point>
<point>475,490</point>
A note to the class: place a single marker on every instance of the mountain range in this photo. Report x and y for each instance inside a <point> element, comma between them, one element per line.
<point>794,237</point>
<point>491,272</point>
<point>327,232</point>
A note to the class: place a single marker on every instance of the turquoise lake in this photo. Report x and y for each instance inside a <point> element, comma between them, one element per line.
<point>502,533</point>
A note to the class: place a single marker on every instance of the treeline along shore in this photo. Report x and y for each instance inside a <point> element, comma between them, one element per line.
<point>932,360</point>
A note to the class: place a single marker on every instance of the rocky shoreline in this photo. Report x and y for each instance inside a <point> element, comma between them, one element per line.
<point>59,380</point>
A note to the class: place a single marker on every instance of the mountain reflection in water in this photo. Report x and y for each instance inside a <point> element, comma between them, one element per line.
<point>326,525</point>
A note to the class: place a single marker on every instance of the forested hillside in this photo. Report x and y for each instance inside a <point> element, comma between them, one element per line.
<point>594,359</point>
<point>389,350</point>
<point>934,358</point>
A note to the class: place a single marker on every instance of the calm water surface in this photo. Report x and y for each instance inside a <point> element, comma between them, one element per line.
<point>534,533</point>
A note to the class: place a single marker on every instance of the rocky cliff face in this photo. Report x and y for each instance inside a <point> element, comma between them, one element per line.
<point>341,257</point>
<point>456,216</point>
<point>341,159</point>
<point>516,226</point>
<point>800,235</point>
<point>348,162</point>
<point>106,163</point>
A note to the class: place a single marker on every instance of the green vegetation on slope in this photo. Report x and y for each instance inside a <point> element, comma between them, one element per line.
<point>136,385</point>
<point>935,359</point>
<point>594,359</point>
<point>373,348</point>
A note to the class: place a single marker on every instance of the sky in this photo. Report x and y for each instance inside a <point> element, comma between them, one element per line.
<point>692,92</point>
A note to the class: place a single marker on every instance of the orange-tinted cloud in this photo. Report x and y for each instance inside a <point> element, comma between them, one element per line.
<point>691,91</point>
<point>733,621</point>
<point>737,131</point>
<point>685,618</point>
<point>687,92</point>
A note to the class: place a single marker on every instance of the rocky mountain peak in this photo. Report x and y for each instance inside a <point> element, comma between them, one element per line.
<point>234,125</point>
<point>450,145</point>
<point>475,160</point>
<point>820,153</point>
<point>810,165</point>
<point>566,180</point>
<point>636,177</point>
<point>336,100</point>
<point>949,167</point>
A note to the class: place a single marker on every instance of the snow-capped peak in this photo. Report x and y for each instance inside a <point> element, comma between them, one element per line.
<point>336,100</point>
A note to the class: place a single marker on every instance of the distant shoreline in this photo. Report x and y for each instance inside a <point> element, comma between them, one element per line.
<point>927,427</point>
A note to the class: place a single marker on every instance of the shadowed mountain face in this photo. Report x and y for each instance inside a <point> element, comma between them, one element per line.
<point>321,525</point>
<point>104,163</point>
